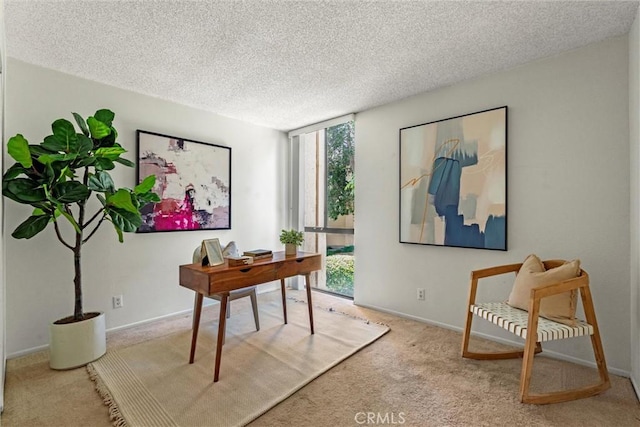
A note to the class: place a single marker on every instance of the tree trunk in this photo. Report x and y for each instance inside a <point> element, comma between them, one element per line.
<point>77,252</point>
<point>77,279</point>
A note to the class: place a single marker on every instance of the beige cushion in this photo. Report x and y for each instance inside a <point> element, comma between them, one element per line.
<point>532,274</point>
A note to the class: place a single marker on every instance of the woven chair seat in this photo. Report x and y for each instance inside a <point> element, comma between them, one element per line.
<point>515,321</point>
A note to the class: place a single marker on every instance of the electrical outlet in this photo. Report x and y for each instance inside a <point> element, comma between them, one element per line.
<point>117,301</point>
<point>421,293</point>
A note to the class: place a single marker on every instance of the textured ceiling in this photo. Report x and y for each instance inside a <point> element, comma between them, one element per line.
<point>286,64</point>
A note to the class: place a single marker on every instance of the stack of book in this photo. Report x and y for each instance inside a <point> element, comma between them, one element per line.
<point>257,254</point>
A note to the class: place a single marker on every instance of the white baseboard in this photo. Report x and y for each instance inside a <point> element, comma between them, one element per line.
<point>260,290</point>
<point>636,387</point>
<point>27,351</point>
<point>207,303</point>
<point>153,319</point>
<point>408,316</point>
<point>549,353</point>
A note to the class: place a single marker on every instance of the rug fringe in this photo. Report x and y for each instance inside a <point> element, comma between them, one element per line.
<point>114,412</point>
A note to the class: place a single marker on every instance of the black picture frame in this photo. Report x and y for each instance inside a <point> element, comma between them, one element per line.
<point>453,181</point>
<point>193,180</point>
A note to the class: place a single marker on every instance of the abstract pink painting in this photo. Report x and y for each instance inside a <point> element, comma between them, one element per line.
<point>193,180</point>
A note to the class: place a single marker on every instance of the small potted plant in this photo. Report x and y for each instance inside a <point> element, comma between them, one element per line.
<point>291,240</point>
<point>57,179</point>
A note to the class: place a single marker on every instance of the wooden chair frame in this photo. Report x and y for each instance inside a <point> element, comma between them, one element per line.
<point>531,346</point>
<point>239,293</point>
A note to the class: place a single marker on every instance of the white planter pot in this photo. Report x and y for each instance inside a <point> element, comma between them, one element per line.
<point>75,344</point>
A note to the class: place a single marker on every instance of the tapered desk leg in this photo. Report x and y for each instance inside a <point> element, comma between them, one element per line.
<point>221,330</point>
<point>197,310</point>
<point>308,282</point>
<point>284,301</point>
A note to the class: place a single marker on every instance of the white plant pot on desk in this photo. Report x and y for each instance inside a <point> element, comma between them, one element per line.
<point>75,344</point>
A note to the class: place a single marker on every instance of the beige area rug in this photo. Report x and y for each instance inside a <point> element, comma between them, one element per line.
<point>152,383</point>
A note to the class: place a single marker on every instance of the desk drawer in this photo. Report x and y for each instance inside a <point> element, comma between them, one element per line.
<point>299,266</point>
<point>241,277</point>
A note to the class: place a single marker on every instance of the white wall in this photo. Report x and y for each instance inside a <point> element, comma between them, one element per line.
<point>568,192</point>
<point>3,63</point>
<point>39,273</point>
<point>634,123</point>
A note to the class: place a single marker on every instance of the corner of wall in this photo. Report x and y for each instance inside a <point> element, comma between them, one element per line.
<point>2,262</point>
<point>634,142</point>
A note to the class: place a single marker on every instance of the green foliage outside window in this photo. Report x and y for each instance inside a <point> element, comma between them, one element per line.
<point>340,270</point>
<point>340,169</point>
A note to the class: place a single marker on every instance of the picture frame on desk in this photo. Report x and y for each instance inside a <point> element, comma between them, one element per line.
<point>212,252</point>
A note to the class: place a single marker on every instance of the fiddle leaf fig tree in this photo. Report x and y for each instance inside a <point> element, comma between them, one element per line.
<point>57,178</point>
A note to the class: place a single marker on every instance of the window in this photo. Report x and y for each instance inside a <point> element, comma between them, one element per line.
<point>326,193</point>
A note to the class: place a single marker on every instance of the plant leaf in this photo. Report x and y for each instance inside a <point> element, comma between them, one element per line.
<point>85,145</point>
<point>65,133</point>
<point>97,128</point>
<point>125,162</point>
<point>50,145</point>
<point>122,200</point>
<point>47,159</point>
<point>53,144</point>
<point>103,164</point>
<point>83,125</point>
<point>40,212</point>
<point>13,172</point>
<point>105,116</point>
<point>148,197</point>
<point>38,150</point>
<point>66,172</point>
<point>86,161</point>
<point>146,185</point>
<point>60,211</point>
<point>10,195</point>
<point>50,175</point>
<point>111,153</point>
<point>125,220</point>
<point>31,226</point>
<point>101,181</point>
<point>119,231</point>
<point>71,192</point>
<point>18,148</point>
<point>109,140</point>
<point>25,191</point>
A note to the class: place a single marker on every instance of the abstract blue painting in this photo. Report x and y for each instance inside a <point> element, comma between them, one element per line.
<point>453,181</point>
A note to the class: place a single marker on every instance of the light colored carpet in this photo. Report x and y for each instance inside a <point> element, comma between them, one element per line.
<point>414,371</point>
<point>152,383</point>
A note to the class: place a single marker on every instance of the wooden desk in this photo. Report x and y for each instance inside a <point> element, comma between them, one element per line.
<point>221,279</point>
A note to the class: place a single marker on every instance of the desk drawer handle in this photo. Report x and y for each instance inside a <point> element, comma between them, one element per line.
<point>299,260</point>
<point>245,270</point>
